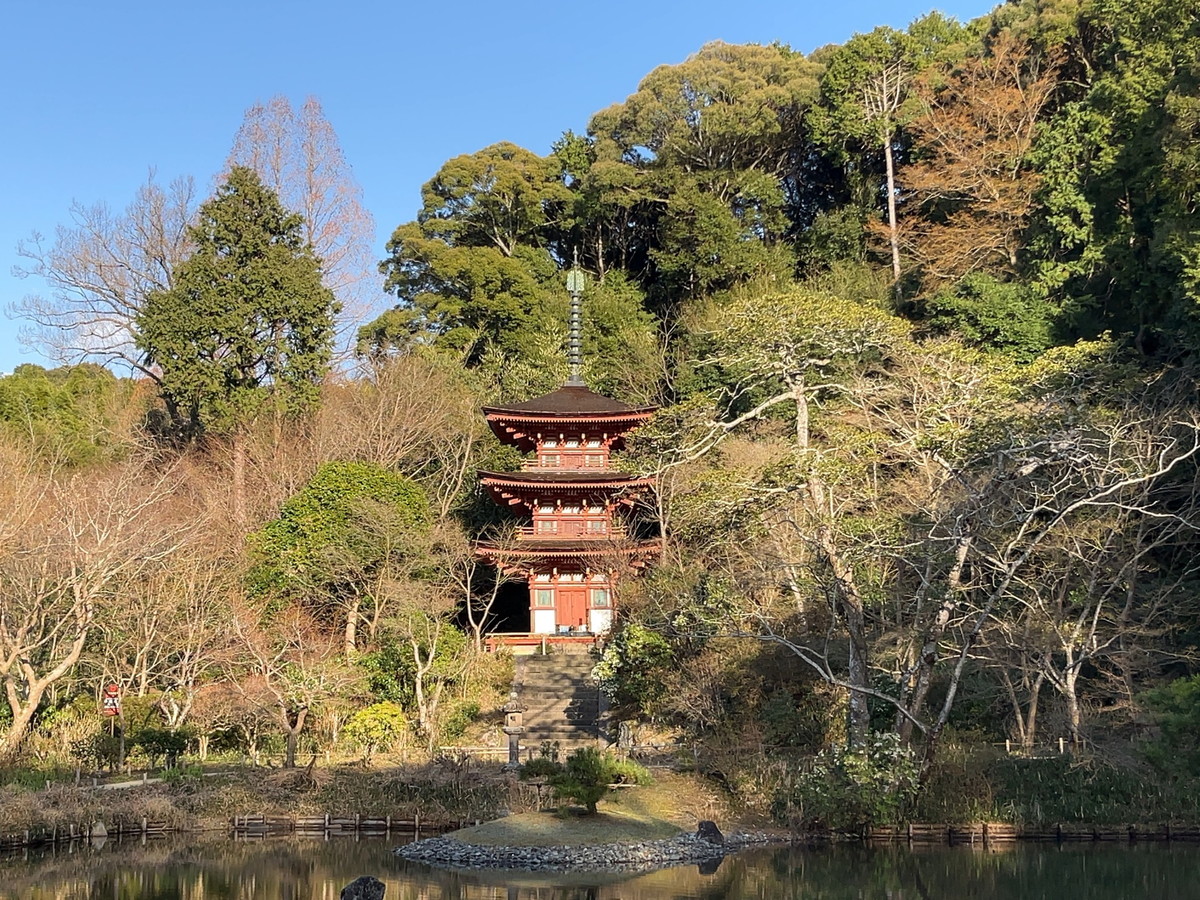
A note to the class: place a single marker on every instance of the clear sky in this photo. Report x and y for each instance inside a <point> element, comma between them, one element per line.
<point>98,94</point>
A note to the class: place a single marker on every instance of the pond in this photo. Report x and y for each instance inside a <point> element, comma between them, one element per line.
<point>296,869</point>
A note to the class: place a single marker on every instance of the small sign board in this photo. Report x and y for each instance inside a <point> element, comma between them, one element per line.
<point>110,700</point>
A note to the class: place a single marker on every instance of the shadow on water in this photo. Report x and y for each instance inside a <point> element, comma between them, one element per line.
<point>215,868</point>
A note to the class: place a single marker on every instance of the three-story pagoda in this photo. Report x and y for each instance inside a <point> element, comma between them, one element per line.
<point>576,542</point>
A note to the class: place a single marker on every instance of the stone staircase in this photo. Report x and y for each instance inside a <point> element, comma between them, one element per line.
<point>562,702</point>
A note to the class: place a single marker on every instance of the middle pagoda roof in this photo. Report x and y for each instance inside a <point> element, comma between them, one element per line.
<point>519,487</point>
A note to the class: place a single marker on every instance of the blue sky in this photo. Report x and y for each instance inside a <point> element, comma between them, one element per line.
<point>98,94</point>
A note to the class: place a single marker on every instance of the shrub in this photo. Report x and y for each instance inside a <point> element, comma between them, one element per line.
<point>1176,711</point>
<point>100,750</point>
<point>852,789</point>
<point>626,771</point>
<point>184,779</point>
<point>375,728</point>
<point>455,722</point>
<point>162,743</point>
<point>585,777</point>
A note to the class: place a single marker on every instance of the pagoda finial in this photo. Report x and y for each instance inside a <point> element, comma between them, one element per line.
<point>575,283</point>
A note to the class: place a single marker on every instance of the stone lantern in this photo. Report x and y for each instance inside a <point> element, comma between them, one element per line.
<point>514,727</point>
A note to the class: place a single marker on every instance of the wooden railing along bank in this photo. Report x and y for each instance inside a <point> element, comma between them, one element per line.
<point>65,834</point>
<point>248,826</point>
<point>334,825</point>
<point>987,833</point>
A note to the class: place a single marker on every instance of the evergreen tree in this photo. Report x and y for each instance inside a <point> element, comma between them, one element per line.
<point>247,322</point>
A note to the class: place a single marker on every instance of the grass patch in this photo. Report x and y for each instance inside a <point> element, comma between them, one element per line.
<point>611,825</point>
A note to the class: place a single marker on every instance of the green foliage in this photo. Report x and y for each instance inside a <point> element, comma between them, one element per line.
<point>848,790</point>
<point>377,728</point>
<point>802,721</point>
<point>474,264</point>
<point>390,671</point>
<point>1176,711</point>
<point>585,777</point>
<point>540,767</point>
<point>626,771</point>
<point>457,719</point>
<point>713,138</point>
<point>247,323</point>
<point>348,521</point>
<point>988,313</point>
<point>776,339</point>
<point>100,750</point>
<point>163,743</point>
<point>631,668</point>
<point>1068,789</point>
<point>585,772</point>
<point>69,414</point>
<point>184,779</point>
<point>864,88</point>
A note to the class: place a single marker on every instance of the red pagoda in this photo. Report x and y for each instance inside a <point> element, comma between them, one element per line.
<point>577,543</point>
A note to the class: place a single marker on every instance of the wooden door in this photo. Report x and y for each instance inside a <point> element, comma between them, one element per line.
<point>572,607</point>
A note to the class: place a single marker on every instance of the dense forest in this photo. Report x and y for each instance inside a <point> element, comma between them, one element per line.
<point>921,314</point>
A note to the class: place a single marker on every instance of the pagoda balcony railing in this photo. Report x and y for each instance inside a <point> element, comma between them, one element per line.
<point>532,533</point>
<point>566,463</point>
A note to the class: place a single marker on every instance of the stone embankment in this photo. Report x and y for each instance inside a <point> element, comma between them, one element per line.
<point>446,852</point>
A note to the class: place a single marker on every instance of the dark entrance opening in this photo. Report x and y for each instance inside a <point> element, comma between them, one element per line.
<point>511,610</point>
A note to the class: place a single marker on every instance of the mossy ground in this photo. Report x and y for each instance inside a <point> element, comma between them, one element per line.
<point>570,828</point>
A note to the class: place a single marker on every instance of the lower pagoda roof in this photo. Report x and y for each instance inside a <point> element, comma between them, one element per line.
<point>545,551</point>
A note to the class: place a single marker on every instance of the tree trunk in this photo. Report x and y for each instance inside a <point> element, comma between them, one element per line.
<point>23,709</point>
<point>1071,693</point>
<point>351,631</point>
<point>893,230</point>
<point>16,730</point>
<point>292,729</point>
<point>850,606</point>
<point>1031,715</point>
<point>929,650</point>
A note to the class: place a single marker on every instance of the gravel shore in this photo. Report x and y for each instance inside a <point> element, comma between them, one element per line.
<point>449,853</point>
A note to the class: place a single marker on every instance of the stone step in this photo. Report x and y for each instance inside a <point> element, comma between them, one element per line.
<point>558,663</point>
<point>559,687</point>
<point>562,701</point>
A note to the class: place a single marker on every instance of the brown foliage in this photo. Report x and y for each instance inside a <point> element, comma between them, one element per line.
<point>971,192</point>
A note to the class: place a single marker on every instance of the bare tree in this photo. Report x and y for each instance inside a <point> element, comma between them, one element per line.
<point>99,270</point>
<point>467,575</point>
<point>59,571</point>
<point>297,154</point>
<point>288,663</point>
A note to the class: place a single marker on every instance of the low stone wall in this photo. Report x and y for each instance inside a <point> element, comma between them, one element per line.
<point>449,853</point>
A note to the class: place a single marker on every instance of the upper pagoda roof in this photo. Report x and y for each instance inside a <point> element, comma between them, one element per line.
<point>569,402</point>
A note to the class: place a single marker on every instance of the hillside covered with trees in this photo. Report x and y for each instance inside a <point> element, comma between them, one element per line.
<point>920,312</point>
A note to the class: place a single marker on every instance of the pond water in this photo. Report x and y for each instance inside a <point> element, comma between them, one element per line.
<point>296,869</point>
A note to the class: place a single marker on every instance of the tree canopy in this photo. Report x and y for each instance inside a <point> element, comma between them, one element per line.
<point>247,321</point>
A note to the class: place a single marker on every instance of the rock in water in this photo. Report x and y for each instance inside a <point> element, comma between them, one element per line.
<point>707,830</point>
<point>365,888</point>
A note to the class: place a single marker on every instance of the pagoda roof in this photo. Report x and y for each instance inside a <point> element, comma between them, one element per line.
<point>520,487</point>
<point>565,478</point>
<point>570,402</point>
<point>532,551</point>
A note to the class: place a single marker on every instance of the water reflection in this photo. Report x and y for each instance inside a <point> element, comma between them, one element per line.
<point>295,869</point>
